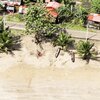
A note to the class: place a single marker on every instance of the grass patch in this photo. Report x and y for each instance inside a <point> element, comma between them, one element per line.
<point>18,32</point>
<point>15,17</point>
<point>75,27</point>
<point>1,17</point>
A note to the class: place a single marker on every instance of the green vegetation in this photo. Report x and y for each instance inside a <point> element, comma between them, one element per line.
<point>17,32</point>
<point>74,26</point>
<point>84,48</point>
<point>35,18</point>
<point>96,6</point>
<point>15,18</point>
<point>64,40</point>
<point>5,41</point>
<point>80,16</point>
<point>1,6</point>
<point>64,14</point>
<point>45,27</point>
<point>1,25</point>
<point>39,22</point>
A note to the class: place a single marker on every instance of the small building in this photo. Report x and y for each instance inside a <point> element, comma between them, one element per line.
<point>12,2</point>
<point>94,20</point>
<point>10,5</point>
<point>52,8</point>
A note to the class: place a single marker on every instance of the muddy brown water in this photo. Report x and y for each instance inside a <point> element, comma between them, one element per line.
<point>25,82</point>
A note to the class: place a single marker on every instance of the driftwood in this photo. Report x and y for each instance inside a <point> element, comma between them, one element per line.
<point>39,54</point>
<point>72,56</point>
<point>58,52</point>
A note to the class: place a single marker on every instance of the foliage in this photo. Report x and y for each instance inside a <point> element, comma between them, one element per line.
<point>65,14</point>
<point>73,26</point>
<point>1,25</point>
<point>67,2</point>
<point>64,40</point>
<point>84,49</point>
<point>86,4</point>
<point>27,2</point>
<point>39,21</point>
<point>96,6</point>
<point>35,17</point>
<point>5,41</point>
<point>1,6</point>
<point>80,16</point>
<point>59,1</point>
<point>15,17</point>
<point>17,32</point>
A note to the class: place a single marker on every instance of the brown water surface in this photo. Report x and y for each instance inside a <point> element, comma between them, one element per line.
<point>25,82</point>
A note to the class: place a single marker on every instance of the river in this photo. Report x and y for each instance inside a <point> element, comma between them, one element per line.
<point>25,82</point>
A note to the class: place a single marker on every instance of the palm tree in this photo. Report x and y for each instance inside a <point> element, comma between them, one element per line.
<point>6,41</point>
<point>84,49</point>
<point>1,25</point>
<point>64,40</point>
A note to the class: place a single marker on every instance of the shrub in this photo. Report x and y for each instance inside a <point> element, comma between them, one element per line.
<point>1,25</point>
<point>64,40</point>
<point>39,21</point>
<point>5,41</point>
<point>96,6</point>
<point>84,49</point>
<point>65,14</point>
<point>80,17</point>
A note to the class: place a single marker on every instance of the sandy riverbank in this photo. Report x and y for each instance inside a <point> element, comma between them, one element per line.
<point>28,55</point>
<point>24,76</point>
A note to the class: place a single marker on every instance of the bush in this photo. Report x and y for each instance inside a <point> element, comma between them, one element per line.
<point>16,18</point>
<point>65,14</point>
<point>1,25</point>
<point>80,16</point>
<point>5,41</point>
<point>84,49</point>
<point>64,40</point>
<point>39,21</point>
<point>96,6</point>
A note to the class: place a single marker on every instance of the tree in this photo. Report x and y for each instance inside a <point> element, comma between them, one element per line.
<point>84,49</point>
<point>1,6</point>
<point>40,22</point>
<point>35,16</point>
<point>96,6</point>
<point>80,17</point>
<point>1,25</point>
<point>64,40</point>
<point>6,41</point>
<point>67,2</point>
<point>64,14</point>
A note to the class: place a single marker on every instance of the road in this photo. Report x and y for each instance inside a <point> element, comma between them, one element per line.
<point>13,25</point>
<point>77,34</point>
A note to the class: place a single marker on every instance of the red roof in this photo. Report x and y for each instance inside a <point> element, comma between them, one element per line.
<point>47,1</point>
<point>53,4</point>
<point>53,13</point>
<point>51,7</point>
<point>94,17</point>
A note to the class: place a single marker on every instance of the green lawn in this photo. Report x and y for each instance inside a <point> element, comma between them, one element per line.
<point>17,32</point>
<point>15,17</point>
<point>74,27</point>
